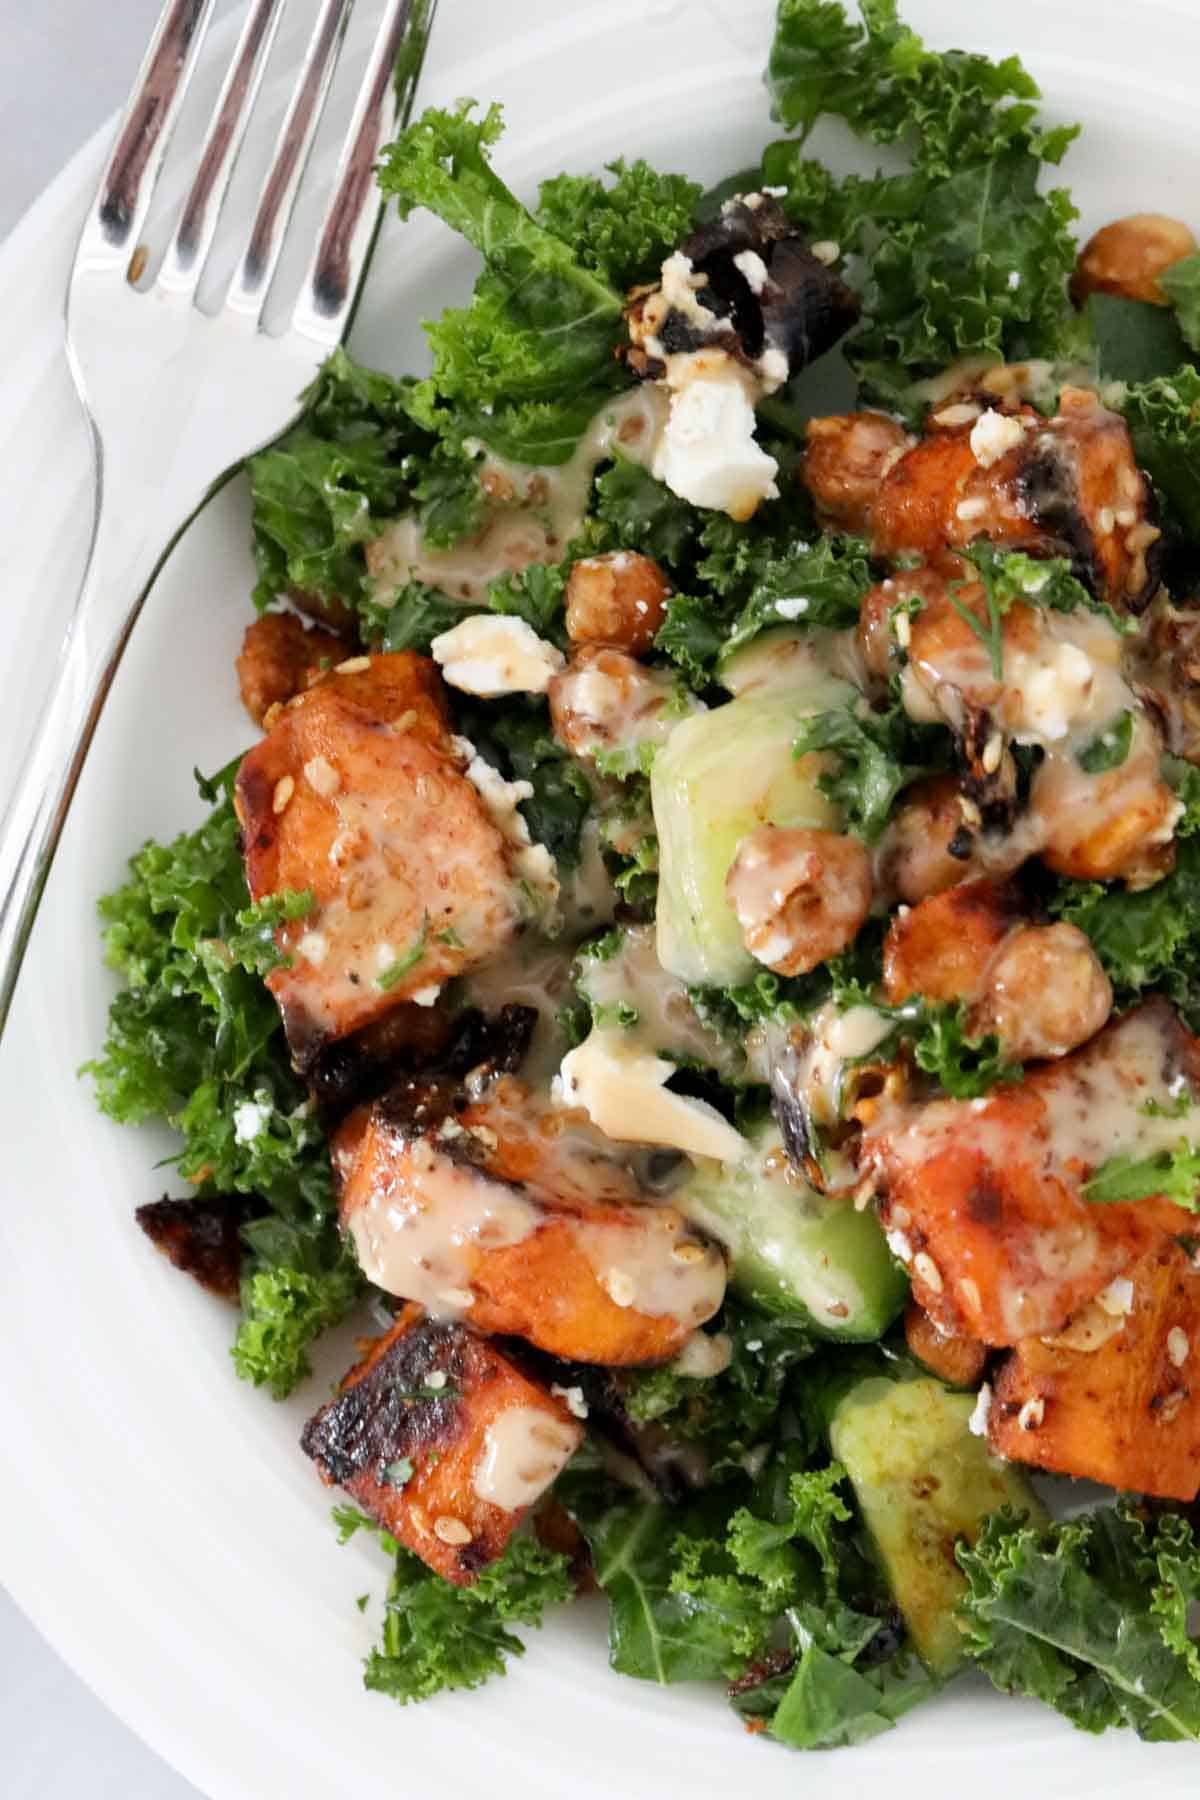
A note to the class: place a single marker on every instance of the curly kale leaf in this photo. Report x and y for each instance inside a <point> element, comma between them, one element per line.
<point>543,324</point>
<point>878,755</point>
<point>963,253</point>
<point>1164,422</point>
<point>1145,939</point>
<point>438,1636</point>
<point>624,230</point>
<point>194,1039</point>
<point>1090,1615</point>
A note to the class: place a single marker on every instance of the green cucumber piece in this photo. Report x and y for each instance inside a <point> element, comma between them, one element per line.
<point>796,1253</point>
<point>718,777</point>
<point>923,1481</point>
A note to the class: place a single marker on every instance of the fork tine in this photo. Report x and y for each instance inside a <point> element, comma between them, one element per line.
<point>127,184</point>
<point>252,280</point>
<point>184,262</point>
<point>349,223</point>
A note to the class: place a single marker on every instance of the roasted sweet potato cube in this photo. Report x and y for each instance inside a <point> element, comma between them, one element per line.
<point>521,1220</point>
<point>954,1357</point>
<point>356,794</point>
<point>443,1441</point>
<point>1116,1398</point>
<point>279,657</point>
<point>942,947</point>
<point>202,1236</point>
<point>985,1200</point>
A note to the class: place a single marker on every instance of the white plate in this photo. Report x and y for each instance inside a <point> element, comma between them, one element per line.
<point>157,1519</point>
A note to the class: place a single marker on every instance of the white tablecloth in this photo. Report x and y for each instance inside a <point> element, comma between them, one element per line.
<point>64,66</point>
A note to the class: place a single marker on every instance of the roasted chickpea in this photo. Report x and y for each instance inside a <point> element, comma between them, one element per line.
<point>1045,992</point>
<point>1128,256</point>
<point>619,599</point>
<point>884,625</point>
<point>277,657</point>
<point>800,896</point>
<point>928,846</point>
<point>846,458</point>
<point>605,700</point>
<point>1102,827</point>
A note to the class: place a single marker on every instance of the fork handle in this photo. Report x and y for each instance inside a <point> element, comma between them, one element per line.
<point>125,556</point>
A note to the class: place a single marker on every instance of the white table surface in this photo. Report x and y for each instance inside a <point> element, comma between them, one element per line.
<point>64,66</point>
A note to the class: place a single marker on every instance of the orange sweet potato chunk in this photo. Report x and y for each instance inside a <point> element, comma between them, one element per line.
<point>1125,1413</point>
<point>523,1228</point>
<point>942,947</point>
<point>356,795</point>
<point>417,1425</point>
<point>985,1199</point>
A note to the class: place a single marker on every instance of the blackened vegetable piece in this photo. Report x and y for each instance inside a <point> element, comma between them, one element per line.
<point>443,1442</point>
<point>414,1040</point>
<point>201,1236</point>
<point>764,289</point>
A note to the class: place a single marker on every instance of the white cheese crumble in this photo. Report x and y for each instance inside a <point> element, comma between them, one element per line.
<point>792,609</point>
<point>977,1424</point>
<point>250,1119</point>
<point>707,453</point>
<point>491,654</point>
<point>532,863</point>
<point>623,1090</point>
<point>752,266</point>
<point>427,996</point>
<point>313,947</point>
<point>993,435</point>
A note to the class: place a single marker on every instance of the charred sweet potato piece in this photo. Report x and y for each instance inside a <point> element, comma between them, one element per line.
<point>1116,1399</point>
<point>954,1358</point>
<point>443,1442</point>
<point>202,1236</point>
<point>985,1200</point>
<point>357,795</point>
<point>1068,486</point>
<point>414,1040</point>
<point>278,658</point>
<point>942,947</point>
<point>521,1221</point>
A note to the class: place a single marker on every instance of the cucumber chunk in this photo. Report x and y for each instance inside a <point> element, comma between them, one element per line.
<point>923,1481</point>
<point>794,1252</point>
<point>719,776</point>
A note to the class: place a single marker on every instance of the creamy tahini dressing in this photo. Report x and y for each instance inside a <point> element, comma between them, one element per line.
<point>421,1237</point>
<point>667,1022</point>
<point>544,507</point>
<point>642,1267</point>
<point>524,1449</point>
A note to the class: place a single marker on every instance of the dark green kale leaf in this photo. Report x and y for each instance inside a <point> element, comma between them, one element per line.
<point>357,457</point>
<point>1147,939</point>
<point>692,634</point>
<point>1091,1616</point>
<point>829,1703</point>
<point>878,755</point>
<point>519,742</point>
<point>543,324</point>
<point>624,230</point>
<point>194,1039</point>
<point>438,1636</point>
<point>963,254</point>
<point>634,512</point>
<point>535,594</point>
<point>964,1065</point>
<point>1164,422</point>
<point>412,620</point>
<point>820,583</point>
<point>1173,1174</point>
<point>1181,284</point>
<point>1134,340</point>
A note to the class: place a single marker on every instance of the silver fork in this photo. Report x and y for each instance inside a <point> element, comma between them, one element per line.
<point>172,394</point>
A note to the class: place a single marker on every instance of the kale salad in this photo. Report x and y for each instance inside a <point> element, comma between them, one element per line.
<point>701,961</point>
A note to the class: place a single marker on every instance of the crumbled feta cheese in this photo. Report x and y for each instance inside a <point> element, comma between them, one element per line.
<point>826,250</point>
<point>680,284</point>
<point>993,435</point>
<point>426,996</point>
<point>977,1424</point>
<point>705,1354</point>
<point>313,947</point>
<point>773,369</point>
<point>1014,279</point>
<point>752,266</point>
<point>532,863</point>
<point>492,653</point>
<point>900,1246</point>
<point>623,1090</point>
<point>573,1396</point>
<point>250,1119</point>
<point>707,453</point>
<point>1117,1298</point>
<point>1055,690</point>
<point>792,609</point>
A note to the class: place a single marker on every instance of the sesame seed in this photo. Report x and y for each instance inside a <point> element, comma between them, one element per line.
<point>1032,1414</point>
<point>1117,1298</point>
<point>902,627</point>
<point>970,812</point>
<point>321,776</point>
<point>436,1379</point>
<point>621,1289</point>
<point>687,1253</point>
<point>964,413</point>
<point>1170,1407</point>
<point>1177,1346</point>
<point>406,720</point>
<point>927,1269</point>
<point>973,507</point>
<point>826,250</point>
<point>1126,516</point>
<point>353,665</point>
<point>452,1531</point>
<point>285,787</point>
<point>864,1193</point>
<point>993,750</point>
<point>1106,520</point>
<point>900,1216</point>
<point>457,1297</point>
<point>272,713</point>
<point>969,1290</point>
